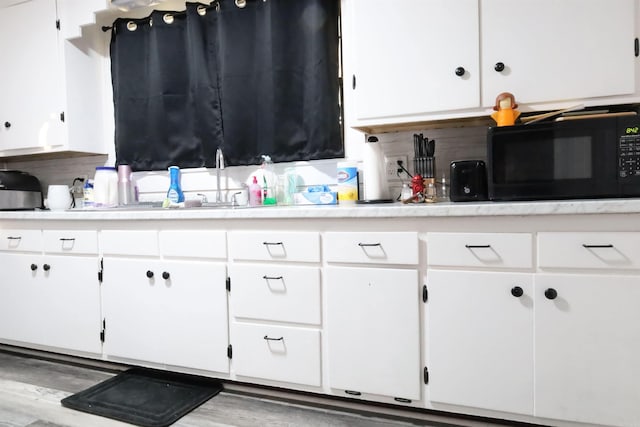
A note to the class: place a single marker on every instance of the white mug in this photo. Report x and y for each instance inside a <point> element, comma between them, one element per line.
<point>58,197</point>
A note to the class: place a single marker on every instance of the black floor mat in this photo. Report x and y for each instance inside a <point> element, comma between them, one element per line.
<point>145,397</point>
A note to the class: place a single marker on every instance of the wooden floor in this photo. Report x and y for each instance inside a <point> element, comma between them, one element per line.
<point>31,389</point>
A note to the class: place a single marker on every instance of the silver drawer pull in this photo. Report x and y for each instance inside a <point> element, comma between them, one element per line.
<point>584,245</point>
<point>369,245</point>
<point>272,243</point>
<point>67,239</point>
<point>268,338</point>
<point>477,246</point>
<point>272,277</point>
<point>14,238</point>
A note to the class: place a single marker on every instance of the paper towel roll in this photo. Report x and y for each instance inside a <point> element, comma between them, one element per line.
<point>375,183</point>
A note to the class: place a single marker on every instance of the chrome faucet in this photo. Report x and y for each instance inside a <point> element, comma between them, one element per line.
<point>219,167</point>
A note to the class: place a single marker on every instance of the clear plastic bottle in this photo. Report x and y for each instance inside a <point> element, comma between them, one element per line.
<point>175,194</point>
<point>269,182</point>
<point>255,193</point>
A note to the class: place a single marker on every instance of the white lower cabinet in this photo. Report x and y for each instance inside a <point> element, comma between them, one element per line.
<point>63,295</point>
<point>162,310</point>
<point>275,306</point>
<point>170,312</point>
<point>373,331</point>
<point>50,300</point>
<point>558,343</point>
<point>587,342</point>
<point>479,339</point>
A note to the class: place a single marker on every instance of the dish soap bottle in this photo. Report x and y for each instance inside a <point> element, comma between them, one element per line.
<point>255,193</point>
<point>175,194</point>
<point>269,182</point>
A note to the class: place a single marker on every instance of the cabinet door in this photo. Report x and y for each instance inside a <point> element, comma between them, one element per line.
<point>557,50</point>
<point>18,319</point>
<point>181,320</point>
<point>132,307</point>
<point>195,312</point>
<point>479,339</point>
<point>68,301</point>
<point>587,342</point>
<point>51,301</point>
<point>31,99</point>
<point>373,331</point>
<point>407,55</point>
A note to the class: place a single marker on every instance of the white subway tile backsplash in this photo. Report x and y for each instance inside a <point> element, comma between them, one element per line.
<point>464,143</point>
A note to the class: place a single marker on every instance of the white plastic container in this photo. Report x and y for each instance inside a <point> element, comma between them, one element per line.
<point>105,187</point>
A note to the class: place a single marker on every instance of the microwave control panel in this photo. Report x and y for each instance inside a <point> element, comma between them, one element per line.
<point>629,156</point>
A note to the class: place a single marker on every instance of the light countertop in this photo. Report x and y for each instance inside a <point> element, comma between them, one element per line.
<point>391,210</point>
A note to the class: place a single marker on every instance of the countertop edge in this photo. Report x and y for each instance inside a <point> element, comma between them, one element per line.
<point>395,210</point>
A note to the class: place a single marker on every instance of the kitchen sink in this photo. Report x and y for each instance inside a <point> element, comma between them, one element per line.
<point>145,206</point>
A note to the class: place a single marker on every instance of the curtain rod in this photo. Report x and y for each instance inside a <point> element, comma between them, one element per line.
<point>168,17</point>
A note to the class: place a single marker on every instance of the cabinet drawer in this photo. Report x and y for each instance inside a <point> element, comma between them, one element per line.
<point>121,242</point>
<point>275,246</point>
<point>21,240</point>
<point>276,292</point>
<point>498,250</point>
<point>618,250</point>
<point>277,353</point>
<point>70,241</point>
<point>193,244</point>
<point>372,248</point>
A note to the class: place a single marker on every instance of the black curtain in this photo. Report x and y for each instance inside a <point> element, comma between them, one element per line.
<point>257,80</point>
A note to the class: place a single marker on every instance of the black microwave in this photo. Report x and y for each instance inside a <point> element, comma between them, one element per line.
<point>570,159</point>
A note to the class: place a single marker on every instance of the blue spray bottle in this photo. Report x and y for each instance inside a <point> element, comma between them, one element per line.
<point>175,194</point>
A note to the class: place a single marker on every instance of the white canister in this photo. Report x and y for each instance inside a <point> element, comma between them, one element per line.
<point>105,187</point>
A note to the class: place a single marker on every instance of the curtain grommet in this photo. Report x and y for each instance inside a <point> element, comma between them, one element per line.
<point>132,26</point>
<point>241,3</point>
<point>168,18</point>
<point>202,10</point>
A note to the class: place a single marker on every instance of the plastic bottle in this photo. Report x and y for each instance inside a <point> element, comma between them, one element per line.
<point>269,180</point>
<point>87,194</point>
<point>175,194</point>
<point>255,193</point>
<point>105,187</point>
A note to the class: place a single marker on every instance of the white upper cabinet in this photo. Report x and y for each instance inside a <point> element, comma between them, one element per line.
<point>31,97</point>
<point>554,50</point>
<point>407,54</point>
<point>52,88</point>
<point>420,60</point>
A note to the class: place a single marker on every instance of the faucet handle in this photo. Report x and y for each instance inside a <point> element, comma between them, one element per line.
<point>203,198</point>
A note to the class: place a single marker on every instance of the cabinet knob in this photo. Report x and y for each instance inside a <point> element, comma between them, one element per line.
<point>517,291</point>
<point>460,71</point>
<point>34,267</point>
<point>551,293</point>
<point>7,124</point>
<point>499,67</point>
<point>149,274</point>
<point>46,267</point>
<point>165,275</point>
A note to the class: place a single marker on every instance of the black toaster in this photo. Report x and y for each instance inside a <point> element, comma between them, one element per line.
<point>468,181</point>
